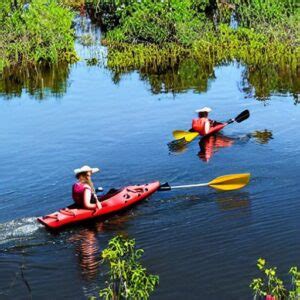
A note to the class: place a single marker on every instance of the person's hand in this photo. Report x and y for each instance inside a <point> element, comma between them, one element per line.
<point>98,204</point>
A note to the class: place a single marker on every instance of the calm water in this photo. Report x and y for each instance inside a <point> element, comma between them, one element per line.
<point>203,244</point>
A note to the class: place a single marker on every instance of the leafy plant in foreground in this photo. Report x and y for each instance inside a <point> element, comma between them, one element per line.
<point>271,285</point>
<point>128,279</point>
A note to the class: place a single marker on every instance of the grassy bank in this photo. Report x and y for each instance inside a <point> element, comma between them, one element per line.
<point>174,44</point>
<point>146,34</point>
<point>35,31</point>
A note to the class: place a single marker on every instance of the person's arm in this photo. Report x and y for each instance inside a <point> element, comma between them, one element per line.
<point>98,203</point>
<point>87,196</point>
<point>207,127</point>
<point>213,123</point>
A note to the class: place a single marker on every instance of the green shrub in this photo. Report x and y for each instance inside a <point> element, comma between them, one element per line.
<point>254,12</point>
<point>158,22</point>
<point>128,279</point>
<point>271,284</point>
<point>38,31</point>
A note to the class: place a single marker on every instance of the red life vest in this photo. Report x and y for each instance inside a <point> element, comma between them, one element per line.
<point>78,193</point>
<point>199,125</point>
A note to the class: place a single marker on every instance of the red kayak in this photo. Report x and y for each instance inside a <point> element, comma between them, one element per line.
<point>111,203</point>
<point>216,128</point>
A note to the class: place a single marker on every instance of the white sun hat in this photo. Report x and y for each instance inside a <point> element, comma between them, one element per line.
<point>203,109</point>
<point>86,169</point>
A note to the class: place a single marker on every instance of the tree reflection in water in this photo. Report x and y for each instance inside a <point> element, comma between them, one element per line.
<point>262,136</point>
<point>260,80</point>
<point>38,81</point>
<point>234,200</point>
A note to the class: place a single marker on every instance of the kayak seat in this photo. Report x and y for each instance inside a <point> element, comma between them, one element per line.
<point>109,194</point>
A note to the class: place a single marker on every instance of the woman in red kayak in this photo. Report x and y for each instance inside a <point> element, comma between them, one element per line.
<point>83,191</point>
<point>202,124</point>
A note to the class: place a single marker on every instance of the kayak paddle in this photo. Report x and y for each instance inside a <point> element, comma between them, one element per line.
<point>222,183</point>
<point>189,136</point>
<point>244,115</point>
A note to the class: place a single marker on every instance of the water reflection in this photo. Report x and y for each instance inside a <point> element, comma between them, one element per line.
<point>39,81</point>
<point>211,144</point>
<point>87,250</point>
<point>178,146</point>
<point>258,81</point>
<point>176,76</point>
<point>262,81</point>
<point>181,75</point>
<point>263,136</point>
<point>87,246</point>
<point>184,75</point>
<point>236,200</point>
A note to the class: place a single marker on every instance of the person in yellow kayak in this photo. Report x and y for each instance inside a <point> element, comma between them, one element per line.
<point>83,191</point>
<point>202,124</point>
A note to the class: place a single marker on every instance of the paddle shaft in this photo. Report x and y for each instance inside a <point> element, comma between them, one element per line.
<point>188,186</point>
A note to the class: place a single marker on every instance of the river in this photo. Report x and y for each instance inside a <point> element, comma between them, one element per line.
<point>203,244</point>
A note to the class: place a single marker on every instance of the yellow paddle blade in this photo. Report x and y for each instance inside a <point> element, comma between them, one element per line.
<point>179,134</point>
<point>230,182</point>
<point>188,136</point>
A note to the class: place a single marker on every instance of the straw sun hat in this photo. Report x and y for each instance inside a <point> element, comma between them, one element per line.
<point>204,109</point>
<point>86,169</point>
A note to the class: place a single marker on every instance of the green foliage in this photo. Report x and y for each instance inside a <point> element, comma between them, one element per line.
<point>270,284</point>
<point>36,31</point>
<point>243,44</point>
<point>184,21</point>
<point>272,36</point>
<point>151,21</point>
<point>254,12</point>
<point>294,293</point>
<point>128,279</point>
<point>75,4</point>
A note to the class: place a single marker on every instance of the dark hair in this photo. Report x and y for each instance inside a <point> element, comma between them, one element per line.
<point>203,114</point>
<point>80,174</point>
